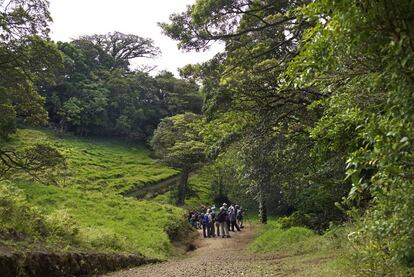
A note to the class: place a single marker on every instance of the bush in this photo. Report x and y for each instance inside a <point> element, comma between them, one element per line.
<point>61,225</point>
<point>18,217</point>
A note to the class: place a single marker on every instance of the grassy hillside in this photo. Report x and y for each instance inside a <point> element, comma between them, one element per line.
<point>99,164</point>
<point>89,202</point>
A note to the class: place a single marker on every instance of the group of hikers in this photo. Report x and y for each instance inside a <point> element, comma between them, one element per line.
<point>215,224</point>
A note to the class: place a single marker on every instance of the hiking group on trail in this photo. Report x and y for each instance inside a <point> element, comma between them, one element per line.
<point>228,219</point>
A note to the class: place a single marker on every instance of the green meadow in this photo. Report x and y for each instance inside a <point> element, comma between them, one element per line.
<point>98,164</point>
<point>88,198</point>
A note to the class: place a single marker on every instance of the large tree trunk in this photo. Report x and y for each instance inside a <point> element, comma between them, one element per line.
<point>182,188</point>
<point>262,209</point>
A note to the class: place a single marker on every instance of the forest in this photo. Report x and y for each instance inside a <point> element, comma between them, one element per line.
<point>306,118</point>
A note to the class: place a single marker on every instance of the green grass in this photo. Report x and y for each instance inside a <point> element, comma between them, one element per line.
<point>273,238</point>
<point>99,164</point>
<point>109,221</point>
<point>90,200</point>
<point>301,251</point>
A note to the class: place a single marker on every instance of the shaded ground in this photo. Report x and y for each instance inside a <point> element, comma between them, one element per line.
<point>214,257</point>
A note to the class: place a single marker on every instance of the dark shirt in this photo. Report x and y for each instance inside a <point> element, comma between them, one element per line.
<point>221,217</point>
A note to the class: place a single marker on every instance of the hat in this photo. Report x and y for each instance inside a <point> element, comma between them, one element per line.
<point>224,204</point>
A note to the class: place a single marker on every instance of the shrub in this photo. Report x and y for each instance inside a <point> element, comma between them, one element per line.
<point>18,217</point>
<point>61,225</point>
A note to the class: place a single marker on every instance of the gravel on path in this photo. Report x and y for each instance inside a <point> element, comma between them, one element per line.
<point>213,257</point>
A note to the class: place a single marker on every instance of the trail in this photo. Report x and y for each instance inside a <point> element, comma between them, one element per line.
<point>213,257</point>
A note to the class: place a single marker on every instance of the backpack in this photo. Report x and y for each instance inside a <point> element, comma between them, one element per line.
<point>213,216</point>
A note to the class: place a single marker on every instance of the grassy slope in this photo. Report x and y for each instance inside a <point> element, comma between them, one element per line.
<point>98,164</point>
<point>303,253</point>
<point>98,172</point>
<point>108,221</point>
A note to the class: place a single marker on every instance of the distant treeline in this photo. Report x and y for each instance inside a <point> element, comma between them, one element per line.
<point>96,92</point>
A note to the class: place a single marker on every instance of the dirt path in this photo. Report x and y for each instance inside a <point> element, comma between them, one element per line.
<point>213,257</point>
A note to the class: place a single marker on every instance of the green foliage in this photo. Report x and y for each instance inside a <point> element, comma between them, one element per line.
<point>98,94</point>
<point>362,58</point>
<point>27,60</point>
<point>178,144</point>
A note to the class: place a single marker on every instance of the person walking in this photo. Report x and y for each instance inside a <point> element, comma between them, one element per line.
<point>221,218</point>
<point>207,224</point>
<point>213,221</point>
<point>203,224</point>
<point>217,225</point>
<point>239,216</point>
<point>232,216</point>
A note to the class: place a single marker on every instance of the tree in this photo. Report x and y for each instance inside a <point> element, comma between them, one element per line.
<point>27,61</point>
<point>179,146</point>
<point>261,38</point>
<point>116,49</point>
<point>361,55</point>
<point>94,97</point>
<point>178,95</point>
<point>37,161</point>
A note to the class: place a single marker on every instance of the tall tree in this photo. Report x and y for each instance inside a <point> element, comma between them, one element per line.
<point>361,53</point>
<point>27,60</point>
<point>116,49</point>
<point>178,145</point>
